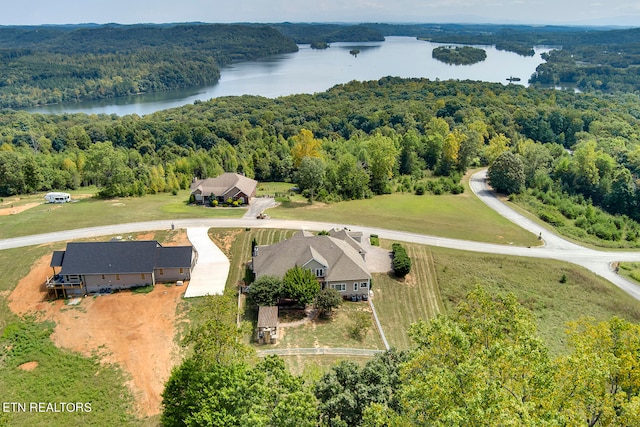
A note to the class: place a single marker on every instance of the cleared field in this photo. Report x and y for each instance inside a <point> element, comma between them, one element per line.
<point>461,216</point>
<point>400,302</point>
<point>88,212</point>
<point>537,283</point>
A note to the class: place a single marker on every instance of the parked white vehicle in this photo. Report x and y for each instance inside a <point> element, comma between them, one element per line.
<point>57,197</point>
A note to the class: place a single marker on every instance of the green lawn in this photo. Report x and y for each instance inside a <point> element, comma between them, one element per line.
<point>400,302</point>
<point>461,216</point>
<point>536,284</point>
<point>330,332</point>
<point>630,270</point>
<point>89,212</point>
<point>440,278</point>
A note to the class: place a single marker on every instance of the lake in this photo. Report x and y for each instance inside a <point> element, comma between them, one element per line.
<point>311,70</point>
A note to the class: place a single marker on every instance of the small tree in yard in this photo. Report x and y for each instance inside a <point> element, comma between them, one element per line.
<point>266,290</point>
<point>327,300</point>
<point>300,284</point>
<point>359,326</point>
<point>401,261</point>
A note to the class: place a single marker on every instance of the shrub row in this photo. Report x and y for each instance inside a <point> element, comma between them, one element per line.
<point>401,261</point>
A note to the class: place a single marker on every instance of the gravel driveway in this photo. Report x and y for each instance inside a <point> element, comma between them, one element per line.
<point>378,259</point>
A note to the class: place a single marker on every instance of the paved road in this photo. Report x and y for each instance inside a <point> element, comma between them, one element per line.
<point>555,247</point>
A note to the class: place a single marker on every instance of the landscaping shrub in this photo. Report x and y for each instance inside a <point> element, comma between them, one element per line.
<point>401,261</point>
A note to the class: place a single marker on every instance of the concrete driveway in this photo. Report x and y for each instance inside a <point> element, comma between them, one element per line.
<point>210,273</point>
<point>259,204</point>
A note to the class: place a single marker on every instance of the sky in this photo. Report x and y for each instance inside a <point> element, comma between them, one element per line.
<point>534,12</point>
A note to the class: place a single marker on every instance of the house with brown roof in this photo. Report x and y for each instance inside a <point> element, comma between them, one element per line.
<point>337,260</point>
<point>224,187</point>
<point>96,267</point>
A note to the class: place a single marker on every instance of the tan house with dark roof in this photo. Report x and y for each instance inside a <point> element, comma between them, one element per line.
<point>96,267</point>
<point>224,187</point>
<point>337,260</point>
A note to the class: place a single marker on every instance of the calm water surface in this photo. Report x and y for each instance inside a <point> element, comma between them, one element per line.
<point>310,71</point>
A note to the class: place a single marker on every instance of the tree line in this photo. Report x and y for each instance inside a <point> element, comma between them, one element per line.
<point>483,364</point>
<point>90,63</point>
<point>352,141</point>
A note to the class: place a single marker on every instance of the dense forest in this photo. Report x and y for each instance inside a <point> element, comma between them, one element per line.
<point>578,154</point>
<point>51,65</point>
<point>54,64</point>
<point>483,364</point>
<point>591,59</point>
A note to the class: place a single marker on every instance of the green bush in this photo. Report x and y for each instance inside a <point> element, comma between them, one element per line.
<point>401,261</point>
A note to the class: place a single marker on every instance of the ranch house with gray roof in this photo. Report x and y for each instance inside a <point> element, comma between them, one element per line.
<point>224,187</point>
<point>337,260</point>
<point>96,267</point>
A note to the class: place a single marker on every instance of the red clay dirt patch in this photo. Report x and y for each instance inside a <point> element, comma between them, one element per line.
<point>28,366</point>
<point>136,331</point>
<point>17,209</point>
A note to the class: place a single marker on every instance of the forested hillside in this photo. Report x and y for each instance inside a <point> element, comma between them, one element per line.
<point>591,59</point>
<point>46,65</point>
<point>483,364</point>
<point>579,154</point>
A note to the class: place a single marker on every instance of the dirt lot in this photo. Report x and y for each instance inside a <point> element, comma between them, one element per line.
<point>12,210</point>
<point>135,331</point>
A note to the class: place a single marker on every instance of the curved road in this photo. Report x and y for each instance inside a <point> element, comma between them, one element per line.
<point>555,247</point>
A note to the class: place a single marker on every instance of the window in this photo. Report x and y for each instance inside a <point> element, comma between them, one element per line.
<point>161,271</point>
<point>102,276</point>
<point>142,276</point>
<point>117,277</point>
<point>319,272</point>
<point>181,270</point>
<point>355,287</point>
<point>340,287</point>
<point>363,284</point>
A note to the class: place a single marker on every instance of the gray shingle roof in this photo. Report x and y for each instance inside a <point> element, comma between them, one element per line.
<point>343,260</point>
<point>173,256</point>
<point>227,185</point>
<point>56,259</point>
<point>120,257</point>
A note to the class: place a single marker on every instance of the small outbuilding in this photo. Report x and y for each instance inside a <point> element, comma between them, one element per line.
<point>267,325</point>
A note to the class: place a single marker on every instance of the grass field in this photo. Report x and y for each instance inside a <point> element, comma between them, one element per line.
<point>89,212</point>
<point>537,285</point>
<point>444,215</point>
<point>400,302</point>
<point>440,278</point>
<point>630,270</point>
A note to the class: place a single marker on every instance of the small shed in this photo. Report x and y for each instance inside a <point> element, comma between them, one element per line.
<point>267,325</point>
